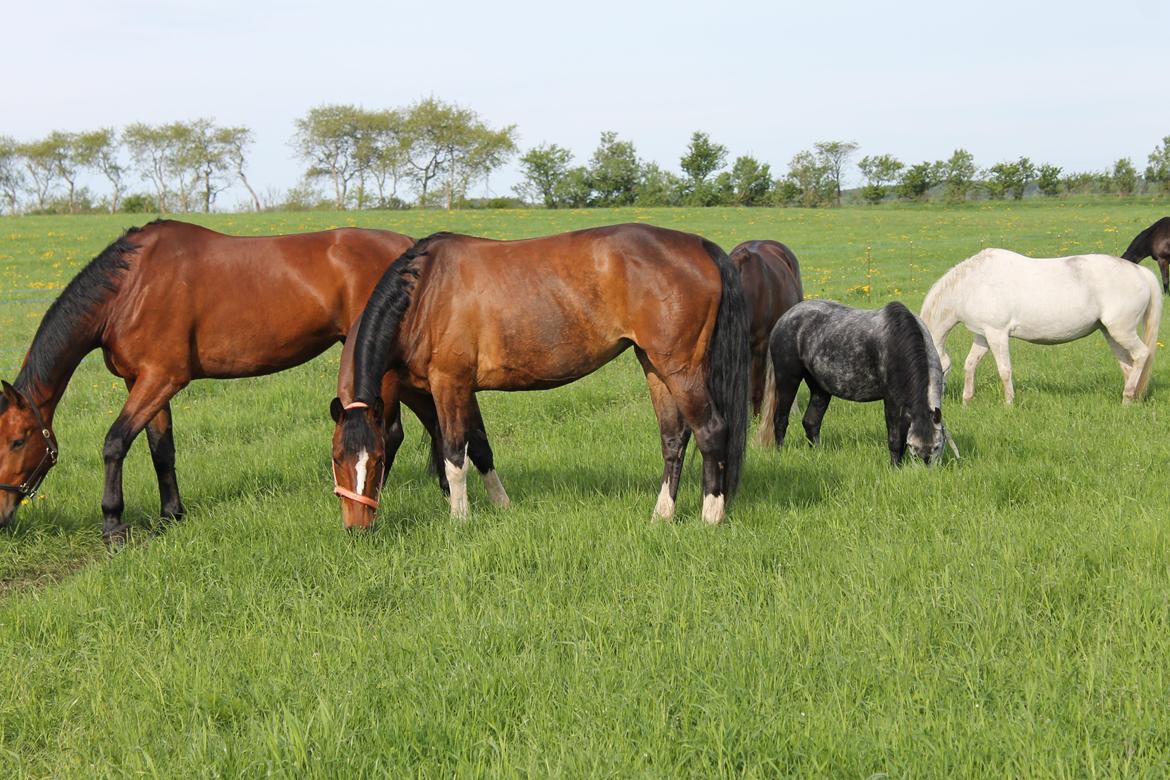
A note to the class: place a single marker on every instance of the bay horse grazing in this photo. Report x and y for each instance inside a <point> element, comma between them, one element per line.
<point>457,314</point>
<point>771,286</point>
<point>1153,242</point>
<point>393,396</point>
<point>1000,295</point>
<point>171,302</point>
<point>860,355</point>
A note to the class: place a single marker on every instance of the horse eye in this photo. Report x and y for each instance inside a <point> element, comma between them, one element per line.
<point>16,445</point>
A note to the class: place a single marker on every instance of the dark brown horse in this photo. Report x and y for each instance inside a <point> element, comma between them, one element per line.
<point>771,286</point>
<point>457,314</point>
<point>169,303</point>
<point>1153,242</point>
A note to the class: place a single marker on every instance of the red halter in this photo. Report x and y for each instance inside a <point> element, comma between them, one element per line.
<point>338,490</point>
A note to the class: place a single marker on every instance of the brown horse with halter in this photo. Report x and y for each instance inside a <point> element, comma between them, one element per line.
<point>1153,242</point>
<point>457,314</point>
<point>393,396</point>
<point>169,303</point>
<point>771,286</point>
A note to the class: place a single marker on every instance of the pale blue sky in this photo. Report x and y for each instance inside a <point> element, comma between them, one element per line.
<point>1078,84</point>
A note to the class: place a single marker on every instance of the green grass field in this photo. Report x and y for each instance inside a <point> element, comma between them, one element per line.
<point>1005,615</point>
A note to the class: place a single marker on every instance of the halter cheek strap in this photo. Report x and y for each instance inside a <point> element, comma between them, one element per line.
<point>28,488</point>
<point>338,490</point>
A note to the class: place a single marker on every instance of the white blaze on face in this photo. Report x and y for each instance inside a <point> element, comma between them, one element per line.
<point>362,461</point>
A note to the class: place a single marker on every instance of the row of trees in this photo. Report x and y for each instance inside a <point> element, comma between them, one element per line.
<point>437,151</point>
<point>186,163</point>
<point>614,176</point>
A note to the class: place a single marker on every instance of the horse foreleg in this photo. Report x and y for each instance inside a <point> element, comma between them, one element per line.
<point>148,396</point>
<point>977,353</point>
<point>453,406</point>
<point>814,415</point>
<point>998,343</point>
<point>160,436</point>
<point>479,449</point>
<point>674,433</point>
<point>1164,265</point>
<point>897,429</point>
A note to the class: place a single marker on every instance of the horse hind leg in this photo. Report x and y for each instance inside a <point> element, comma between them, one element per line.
<point>978,351</point>
<point>1137,354</point>
<point>479,449</point>
<point>675,437</point>
<point>814,415</point>
<point>998,343</point>
<point>160,436</point>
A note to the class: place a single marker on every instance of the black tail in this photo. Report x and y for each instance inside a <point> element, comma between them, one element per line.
<point>729,363</point>
<point>380,320</point>
<point>1142,246</point>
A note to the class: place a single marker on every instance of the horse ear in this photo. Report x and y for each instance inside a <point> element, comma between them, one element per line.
<point>12,395</point>
<point>936,416</point>
<point>335,410</point>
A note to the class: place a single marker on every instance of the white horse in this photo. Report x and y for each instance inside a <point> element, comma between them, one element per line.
<point>1000,295</point>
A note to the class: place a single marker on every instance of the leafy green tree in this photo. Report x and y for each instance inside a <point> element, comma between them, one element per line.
<point>201,149</point>
<point>544,168</point>
<point>750,182</point>
<point>701,160</point>
<point>614,171</point>
<point>786,192</point>
<point>958,175</point>
<point>1158,171</point>
<point>833,156</point>
<point>1048,180</point>
<point>44,160</point>
<point>1009,178</point>
<point>449,141</point>
<point>152,150</point>
<point>880,171</point>
<point>917,181</point>
<point>327,139</point>
<point>235,142</point>
<point>575,189</point>
<point>657,187</point>
<point>812,179</point>
<point>11,174</point>
<point>99,150</point>
<point>1124,177</point>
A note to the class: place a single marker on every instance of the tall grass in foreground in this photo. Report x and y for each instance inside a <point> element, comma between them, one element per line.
<point>1001,615</point>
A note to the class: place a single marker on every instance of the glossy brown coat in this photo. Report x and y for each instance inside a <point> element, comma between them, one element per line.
<point>192,303</point>
<point>771,286</point>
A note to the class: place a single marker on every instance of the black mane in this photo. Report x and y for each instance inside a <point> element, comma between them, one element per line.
<point>70,318</point>
<point>380,319</point>
<point>1141,246</point>
<point>911,375</point>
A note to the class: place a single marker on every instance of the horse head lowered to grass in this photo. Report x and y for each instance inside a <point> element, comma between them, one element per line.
<point>860,355</point>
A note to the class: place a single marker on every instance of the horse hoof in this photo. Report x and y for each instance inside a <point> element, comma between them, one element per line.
<point>116,536</point>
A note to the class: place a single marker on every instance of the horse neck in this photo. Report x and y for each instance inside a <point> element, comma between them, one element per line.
<point>52,360</point>
<point>938,313</point>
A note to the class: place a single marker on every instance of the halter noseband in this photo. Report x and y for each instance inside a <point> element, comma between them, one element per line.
<point>338,490</point>
<point>32,483</point>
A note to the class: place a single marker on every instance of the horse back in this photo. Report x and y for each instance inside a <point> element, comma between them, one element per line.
<point>545,311</point>
<point>239,305</point>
